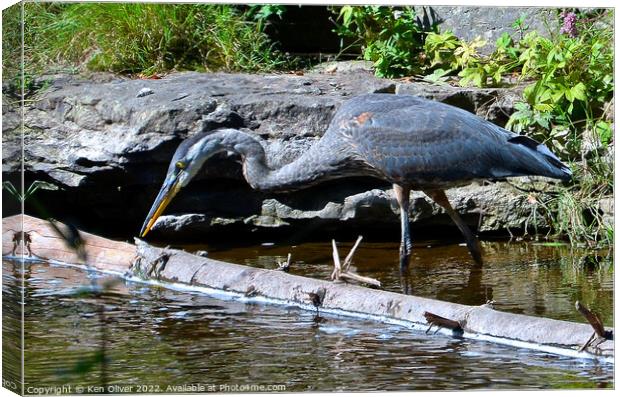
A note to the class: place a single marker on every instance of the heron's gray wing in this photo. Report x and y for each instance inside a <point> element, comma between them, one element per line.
<point>424,143</point>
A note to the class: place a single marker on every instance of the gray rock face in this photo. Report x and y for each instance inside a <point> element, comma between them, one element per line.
<point>488,23</point>
<point>106,147</point>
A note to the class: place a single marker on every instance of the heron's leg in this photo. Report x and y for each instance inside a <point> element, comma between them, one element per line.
<point>439,196</point>
<point>402,196</point>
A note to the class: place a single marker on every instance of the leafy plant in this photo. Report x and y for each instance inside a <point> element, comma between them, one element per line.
<point>390,37</point>
<point>454,56</point>
<point>440,48</point>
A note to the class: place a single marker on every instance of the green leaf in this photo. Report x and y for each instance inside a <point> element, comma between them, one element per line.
<point>551,56</point>
<point>579,91</point>
<point>557,95</point>
<point>504,41</point>
<point>473,75</point>
<point>545,95</point>
<point>437,76</point>
<point>528,92</point>
<point>568,94</point>
<point>543,107</point>
<point>604,132</point>
<point>346,13</point>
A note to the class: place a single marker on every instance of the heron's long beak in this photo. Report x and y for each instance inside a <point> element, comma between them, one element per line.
<point>170,188</point>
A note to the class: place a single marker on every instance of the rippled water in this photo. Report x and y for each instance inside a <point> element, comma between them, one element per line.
<point>161,338</point>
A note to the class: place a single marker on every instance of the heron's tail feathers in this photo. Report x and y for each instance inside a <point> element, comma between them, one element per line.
<point>533,158</point>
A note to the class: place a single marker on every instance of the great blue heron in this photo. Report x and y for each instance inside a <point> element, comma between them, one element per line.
<point>411,142</point>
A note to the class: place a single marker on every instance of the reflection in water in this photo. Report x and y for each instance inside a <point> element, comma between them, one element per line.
<point>162,337</point>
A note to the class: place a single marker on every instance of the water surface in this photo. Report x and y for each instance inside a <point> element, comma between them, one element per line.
<point>155,339</point>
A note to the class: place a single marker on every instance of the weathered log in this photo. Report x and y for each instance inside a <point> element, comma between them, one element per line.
<point>46,243</point>
<point>179,269</point>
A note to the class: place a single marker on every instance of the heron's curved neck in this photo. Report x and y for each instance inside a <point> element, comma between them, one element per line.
<point>255,167</point>
<point>308,169</point>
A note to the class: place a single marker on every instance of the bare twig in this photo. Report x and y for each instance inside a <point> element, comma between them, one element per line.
<point>434,319</point>
<point>588,343</point>
<point>342,271</point>
<point>592,318</point>
<point>349,258</point>
<point>285,266</point>
<point>599,335</point>
<point>361,279</point>
<point>317,298</point>
<point>337,268</point>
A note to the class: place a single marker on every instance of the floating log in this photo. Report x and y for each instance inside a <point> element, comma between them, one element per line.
<point>45,242</point>
<point>179,269</point>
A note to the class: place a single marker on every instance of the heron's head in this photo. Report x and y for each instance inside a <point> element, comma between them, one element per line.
<point>185,164</point>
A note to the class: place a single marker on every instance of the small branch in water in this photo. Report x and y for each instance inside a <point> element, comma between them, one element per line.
<point>599,335</point>
<point>145,268</point>
<point>349,258</point>
<point>18,237</point>
<point>592,318</point>
<point>317,299</point>
<point>285,266</point>
<point>337,267</point>
<point>442,322</point>
<point>342,271</point>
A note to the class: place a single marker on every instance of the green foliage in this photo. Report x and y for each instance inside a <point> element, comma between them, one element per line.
<point>573,211</point>
<point>390,37</point>
<point>574,80</point>
<point>440,47</point>
<point>455,56</point>
<point>143,38</point>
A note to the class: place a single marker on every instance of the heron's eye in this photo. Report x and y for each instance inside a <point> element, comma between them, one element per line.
<point>181,165</point>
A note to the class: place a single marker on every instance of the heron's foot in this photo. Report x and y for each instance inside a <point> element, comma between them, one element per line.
<point>406,283</point>
<point>404,258</point>
<point>405,254</point>
<point>404,263</point>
